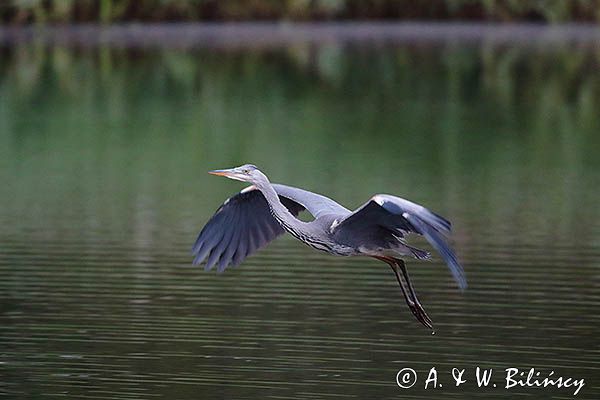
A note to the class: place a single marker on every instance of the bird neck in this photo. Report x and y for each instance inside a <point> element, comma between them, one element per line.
<point>279,211</point>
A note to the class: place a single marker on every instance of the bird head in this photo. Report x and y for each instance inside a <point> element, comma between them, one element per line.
<point>244,173</point>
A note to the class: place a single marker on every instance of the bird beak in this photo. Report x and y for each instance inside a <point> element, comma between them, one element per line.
<point>228,173</point>
<point>221,172</point>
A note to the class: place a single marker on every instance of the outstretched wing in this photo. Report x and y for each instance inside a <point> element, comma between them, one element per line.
<point>314,203</point>
<point>242,225</point>
<point>401,216</point>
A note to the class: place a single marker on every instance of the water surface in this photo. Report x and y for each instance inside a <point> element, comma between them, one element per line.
<point>103,154</point>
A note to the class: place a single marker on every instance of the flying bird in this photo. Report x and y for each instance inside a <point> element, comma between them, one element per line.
<point>263,211</point>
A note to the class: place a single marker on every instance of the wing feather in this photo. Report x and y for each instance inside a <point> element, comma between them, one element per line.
<point>314,203</point>
<point>241,226</point>
<point>220,249</point>
<point>437,241</point>
<point>383,217</point>
<point>240,252</point>
<point>227,258</point>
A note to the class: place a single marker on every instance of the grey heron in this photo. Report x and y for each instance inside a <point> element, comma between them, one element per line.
<point>259,213</point>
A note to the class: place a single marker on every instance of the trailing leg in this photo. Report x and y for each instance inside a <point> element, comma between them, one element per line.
<point>407,290</point>
<point>413,294</point>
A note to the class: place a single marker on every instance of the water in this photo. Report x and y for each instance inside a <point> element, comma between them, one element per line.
<point>103,154</point>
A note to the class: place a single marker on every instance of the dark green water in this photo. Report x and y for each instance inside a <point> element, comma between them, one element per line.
<point>103,160</point>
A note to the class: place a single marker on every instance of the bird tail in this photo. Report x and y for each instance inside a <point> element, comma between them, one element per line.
<point>418,253</point>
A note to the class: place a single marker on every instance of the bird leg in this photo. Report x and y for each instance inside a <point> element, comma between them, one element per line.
<point>408,291</point>
<point>426,319</point>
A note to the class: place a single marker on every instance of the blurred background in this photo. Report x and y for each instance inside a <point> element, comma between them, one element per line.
<point>111,112</point>
<point>108,11</point>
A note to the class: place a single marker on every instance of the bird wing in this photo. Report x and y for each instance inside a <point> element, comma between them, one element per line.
<point>314,203</point>
<point>402,216</point>
<point>242,225</point>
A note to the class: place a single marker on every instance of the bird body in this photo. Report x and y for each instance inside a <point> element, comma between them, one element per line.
<point>259,213</point>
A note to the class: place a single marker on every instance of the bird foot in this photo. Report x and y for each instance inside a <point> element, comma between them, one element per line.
<point>420,314</point>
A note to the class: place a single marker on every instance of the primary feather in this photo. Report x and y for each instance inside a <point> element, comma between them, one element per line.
<point>384,217</point>
<point>240,227</point>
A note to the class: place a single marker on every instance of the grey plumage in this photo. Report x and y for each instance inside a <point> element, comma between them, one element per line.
<point>239,227</point>
<point>258,214</point>
<point>388,219</point>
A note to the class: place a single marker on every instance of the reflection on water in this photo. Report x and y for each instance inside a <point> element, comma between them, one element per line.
<point>103,154</point>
